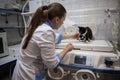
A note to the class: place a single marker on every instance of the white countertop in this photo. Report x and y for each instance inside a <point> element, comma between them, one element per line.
<point>13,50</point>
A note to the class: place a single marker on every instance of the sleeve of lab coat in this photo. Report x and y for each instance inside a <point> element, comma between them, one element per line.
<point>58,38</point>
<point>47,48</point>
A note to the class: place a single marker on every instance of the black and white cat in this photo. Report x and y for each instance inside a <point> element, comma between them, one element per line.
<point>85,34</point>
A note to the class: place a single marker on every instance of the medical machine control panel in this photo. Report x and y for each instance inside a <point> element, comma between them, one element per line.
<point>80,59</point>
<point>89,58</point>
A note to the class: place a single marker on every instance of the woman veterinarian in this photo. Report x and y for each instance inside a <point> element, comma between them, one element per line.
<point>37,49</point>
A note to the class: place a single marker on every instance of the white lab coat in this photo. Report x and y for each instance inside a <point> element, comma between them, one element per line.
<point>41,49</point>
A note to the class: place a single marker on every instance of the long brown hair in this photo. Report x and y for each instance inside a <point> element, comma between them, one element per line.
<point>41,15</point>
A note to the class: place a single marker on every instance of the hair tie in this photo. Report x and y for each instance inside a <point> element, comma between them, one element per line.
<point>45,7</point>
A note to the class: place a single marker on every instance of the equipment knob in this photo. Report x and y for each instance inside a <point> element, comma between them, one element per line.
<point>108,62</point>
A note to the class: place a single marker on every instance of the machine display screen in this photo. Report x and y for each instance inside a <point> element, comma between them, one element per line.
<point>1,46</point>
<point>80,59</point>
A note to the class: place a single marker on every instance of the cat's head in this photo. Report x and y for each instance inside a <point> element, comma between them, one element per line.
<point>85,33</point>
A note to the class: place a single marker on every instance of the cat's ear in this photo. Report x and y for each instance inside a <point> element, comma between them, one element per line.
<point>79,27</point>
<point>87,27</point>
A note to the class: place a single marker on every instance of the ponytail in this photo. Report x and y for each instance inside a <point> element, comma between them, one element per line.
<point>40,16</point>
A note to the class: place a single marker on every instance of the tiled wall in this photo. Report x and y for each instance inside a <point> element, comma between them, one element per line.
<point>13,35</point>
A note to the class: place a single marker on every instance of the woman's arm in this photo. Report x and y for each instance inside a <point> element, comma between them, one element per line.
<point>68,48</point>
<point>74,36</point>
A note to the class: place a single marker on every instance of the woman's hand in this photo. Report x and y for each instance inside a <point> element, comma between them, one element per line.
<point>76,36</point>
<point>69,47</point>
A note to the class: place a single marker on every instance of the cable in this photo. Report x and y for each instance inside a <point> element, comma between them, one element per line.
<point>25,23</point>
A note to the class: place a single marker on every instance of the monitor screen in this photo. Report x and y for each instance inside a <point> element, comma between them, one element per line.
<point>1,46</point>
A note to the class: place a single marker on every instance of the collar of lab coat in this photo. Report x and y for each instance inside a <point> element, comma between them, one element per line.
<point>49,23</point>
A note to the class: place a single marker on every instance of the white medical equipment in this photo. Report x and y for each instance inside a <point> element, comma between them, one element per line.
<point>88,59</point>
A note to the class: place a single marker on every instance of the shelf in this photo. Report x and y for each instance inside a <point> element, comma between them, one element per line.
<point>14,27</point>
<point>12,11</point>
